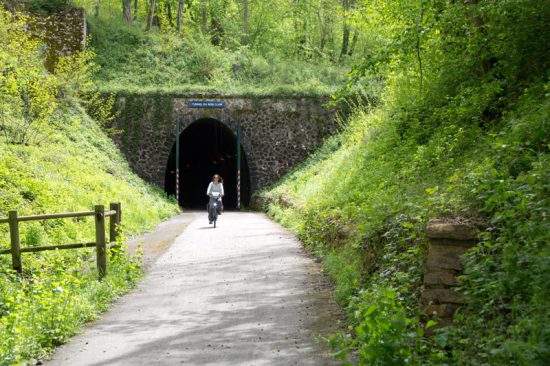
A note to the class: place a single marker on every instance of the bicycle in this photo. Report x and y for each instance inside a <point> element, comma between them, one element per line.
<point>214,207</point>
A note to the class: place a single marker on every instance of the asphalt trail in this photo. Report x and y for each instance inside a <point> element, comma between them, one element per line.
<point>245,293</point>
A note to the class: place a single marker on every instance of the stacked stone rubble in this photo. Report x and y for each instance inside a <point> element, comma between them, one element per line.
<point>448,242</point>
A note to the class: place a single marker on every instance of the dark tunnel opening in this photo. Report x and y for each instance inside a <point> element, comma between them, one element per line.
<point>207,147</point>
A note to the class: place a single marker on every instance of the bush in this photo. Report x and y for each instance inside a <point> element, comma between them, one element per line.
<point>47,6</point>
<point>28,93</point>
<point>131,59</point>
<point>362,208</point>
<point>77,168</point>
<point>382,334</point>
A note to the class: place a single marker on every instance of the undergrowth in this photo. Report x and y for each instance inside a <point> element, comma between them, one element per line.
<point>361,203</point>
<point>460,131</point>
<point>134,61</point>
<point>79,167</point>
<point>54,158</point>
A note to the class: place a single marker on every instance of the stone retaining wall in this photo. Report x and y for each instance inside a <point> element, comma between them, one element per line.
<point>64,34</point>
<point>448,242</point>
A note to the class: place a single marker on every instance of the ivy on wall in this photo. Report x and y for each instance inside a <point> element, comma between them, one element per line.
<point>138,108</point>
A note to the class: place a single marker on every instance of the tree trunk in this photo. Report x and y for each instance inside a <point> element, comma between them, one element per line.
<point>245,22</point>
<point>203,16</point>
<point>353,42</point>
<point>96,8</point>
<point>216,29</point>
<point>419,49</point>
<point>295,21</point>
<point>345,35</point>
<point>127,10</point>
<point>353,5</point>
<point>180,14</point>
<point>151,15</point>
<point>300,28</point>
<point>478,23</point>
<point>169,14</point>
<point>322,34</point>
<point>135,10</point>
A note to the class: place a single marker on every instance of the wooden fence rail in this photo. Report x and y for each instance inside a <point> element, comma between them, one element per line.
<point>115,218</point>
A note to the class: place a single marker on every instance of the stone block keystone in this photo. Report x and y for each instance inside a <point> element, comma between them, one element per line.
<point>439,229</point>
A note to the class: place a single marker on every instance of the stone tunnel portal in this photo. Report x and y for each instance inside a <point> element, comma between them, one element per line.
<point>207,147</point>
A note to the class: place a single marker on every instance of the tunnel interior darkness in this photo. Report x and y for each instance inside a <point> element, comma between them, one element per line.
<point>207,147</point>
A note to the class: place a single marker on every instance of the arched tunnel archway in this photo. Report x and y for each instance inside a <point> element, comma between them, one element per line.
<point>207,147</point>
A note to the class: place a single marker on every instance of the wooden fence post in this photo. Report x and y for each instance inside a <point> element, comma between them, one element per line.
<point>15,243</point>
<point>114,222</point>
<point>100,240</point>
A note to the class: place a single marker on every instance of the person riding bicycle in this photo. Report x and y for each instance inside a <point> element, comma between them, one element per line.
<point>216,186</point>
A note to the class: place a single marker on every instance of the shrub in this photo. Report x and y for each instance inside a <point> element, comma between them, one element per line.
<point>47,6</point>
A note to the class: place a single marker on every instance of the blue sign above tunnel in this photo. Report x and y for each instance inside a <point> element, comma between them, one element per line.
<point>205,104</point>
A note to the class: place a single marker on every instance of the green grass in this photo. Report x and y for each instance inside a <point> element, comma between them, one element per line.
<point>361,203</point>
<point>132,60</point>
<point>77,168</point>
<point>466,142</point>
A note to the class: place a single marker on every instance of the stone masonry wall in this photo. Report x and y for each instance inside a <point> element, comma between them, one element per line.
<point>63,33</point>
<point>448,242</point>
<point>276,133</point>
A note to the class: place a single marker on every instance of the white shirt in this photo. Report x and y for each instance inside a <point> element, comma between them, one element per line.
<point>214,187</point>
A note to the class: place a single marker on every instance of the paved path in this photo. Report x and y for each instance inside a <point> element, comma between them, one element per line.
<point>245,293</point>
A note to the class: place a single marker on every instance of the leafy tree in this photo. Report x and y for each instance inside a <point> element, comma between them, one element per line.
<point>46,6</point>
<point>27,91</point>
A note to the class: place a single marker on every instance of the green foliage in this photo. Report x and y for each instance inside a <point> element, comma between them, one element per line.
<point>447,116</point>
<point>382,334</point>
<point>459,130</point>
<point>79,168</point>
<point>76,86</point>
<point>192,61</point>
<point>32,100</point>
<point>308,29</point>
<point>28,102</point>
<point>507,274</point>
<point>362,208</point>
<point>76,167</point>
<point>343,271</point>
<point>57,294</point>
<point>46,6</point>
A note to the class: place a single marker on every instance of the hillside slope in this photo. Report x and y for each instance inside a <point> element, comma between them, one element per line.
<point>54,158</point>
<point>461,131</point>
<point>362,201</point>
<point>80,167</point>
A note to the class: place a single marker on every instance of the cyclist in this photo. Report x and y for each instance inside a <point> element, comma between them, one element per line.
<point>215,186</point>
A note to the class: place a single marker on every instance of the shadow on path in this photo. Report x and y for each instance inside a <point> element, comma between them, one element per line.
<point>243,294</point>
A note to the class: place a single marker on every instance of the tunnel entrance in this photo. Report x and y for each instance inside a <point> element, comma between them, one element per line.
<point>207,147</point>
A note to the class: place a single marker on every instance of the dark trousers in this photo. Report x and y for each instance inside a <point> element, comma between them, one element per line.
<point>218,203</point>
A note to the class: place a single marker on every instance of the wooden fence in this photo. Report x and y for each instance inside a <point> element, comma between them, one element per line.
<point>114,213</point>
